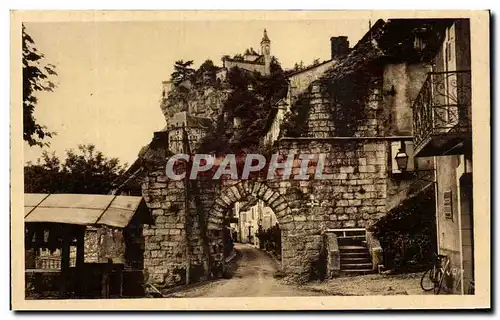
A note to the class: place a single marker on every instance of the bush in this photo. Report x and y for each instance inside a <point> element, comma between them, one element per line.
<point>408,233</point>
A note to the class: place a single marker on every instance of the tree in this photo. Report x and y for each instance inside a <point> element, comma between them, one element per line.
<point>83,171</point>
<point>206,73</point>
<point>182,72</point>
<point>316,62</point>
<point>238,57</point>
<point>36,77</point>
<point>298,66</point>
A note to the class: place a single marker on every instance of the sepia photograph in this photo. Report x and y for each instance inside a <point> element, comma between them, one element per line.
<point>278,159</point>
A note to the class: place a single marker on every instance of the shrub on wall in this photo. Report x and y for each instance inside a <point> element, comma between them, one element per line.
<point>407,233</point>
<point>295,121</point>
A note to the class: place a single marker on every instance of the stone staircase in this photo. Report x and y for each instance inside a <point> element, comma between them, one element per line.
<point>354,257</point>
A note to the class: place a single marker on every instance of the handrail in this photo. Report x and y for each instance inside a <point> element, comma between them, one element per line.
<point>442,105</point>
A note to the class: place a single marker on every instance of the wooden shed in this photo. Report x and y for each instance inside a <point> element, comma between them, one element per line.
<point>59,221</point>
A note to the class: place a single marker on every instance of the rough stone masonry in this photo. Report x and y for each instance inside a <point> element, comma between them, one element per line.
<point>187,233</point>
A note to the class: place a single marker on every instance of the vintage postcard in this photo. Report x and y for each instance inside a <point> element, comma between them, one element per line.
<point>268,160</point>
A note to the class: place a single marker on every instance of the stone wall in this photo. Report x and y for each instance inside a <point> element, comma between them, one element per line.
<point>300,81</point>
<point>178,238</point>
<point>261,68</point>
<point>323,122</point>
<point>356,194</point>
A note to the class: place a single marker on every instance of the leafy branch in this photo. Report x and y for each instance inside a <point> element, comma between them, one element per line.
<point>36,78</point>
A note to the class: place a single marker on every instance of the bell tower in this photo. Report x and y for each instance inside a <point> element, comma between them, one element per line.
<point>265,48</point>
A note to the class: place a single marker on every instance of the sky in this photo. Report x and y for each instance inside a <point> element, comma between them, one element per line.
<point>110,73</point>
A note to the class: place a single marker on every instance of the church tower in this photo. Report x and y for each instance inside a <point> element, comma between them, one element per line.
<point>265,48</point>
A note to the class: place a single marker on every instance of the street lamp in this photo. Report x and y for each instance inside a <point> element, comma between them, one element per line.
<point>402,163</point>
<point>401,159</point>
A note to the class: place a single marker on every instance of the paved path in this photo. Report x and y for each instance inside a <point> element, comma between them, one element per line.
<point>252,278</point>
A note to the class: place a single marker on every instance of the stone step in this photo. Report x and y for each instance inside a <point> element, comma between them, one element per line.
<point>355,272</point>
<point>353,248</point>
<point>355,266</point>
<point>355,259</point>
<point>356,254</point>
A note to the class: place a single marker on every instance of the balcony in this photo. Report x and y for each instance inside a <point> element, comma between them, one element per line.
<point>442,119</point>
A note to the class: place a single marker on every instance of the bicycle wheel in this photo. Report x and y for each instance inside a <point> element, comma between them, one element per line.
<point>427,282</point>
<point>439,282</point>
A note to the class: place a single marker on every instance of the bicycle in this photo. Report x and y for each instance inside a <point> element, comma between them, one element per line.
<point>433,278</point>
<point>469,284</point>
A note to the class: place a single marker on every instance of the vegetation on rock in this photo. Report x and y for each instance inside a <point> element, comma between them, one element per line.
<point>249,110</point>
<point>182,72</point>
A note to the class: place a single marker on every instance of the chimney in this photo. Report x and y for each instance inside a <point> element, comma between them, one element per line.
<point>340,47</point>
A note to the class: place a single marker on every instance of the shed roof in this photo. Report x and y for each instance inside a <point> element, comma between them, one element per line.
<point>84,209</point>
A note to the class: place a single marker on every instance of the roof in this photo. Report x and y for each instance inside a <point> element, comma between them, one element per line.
<point>84,209</point>
<point>389,40</point>
<point>265,38</point>
<point>364,53</point>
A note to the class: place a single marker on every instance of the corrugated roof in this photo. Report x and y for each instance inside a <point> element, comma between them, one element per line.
<point>82,209</point>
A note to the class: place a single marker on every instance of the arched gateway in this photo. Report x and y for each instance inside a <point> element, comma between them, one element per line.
<point>241,191</point>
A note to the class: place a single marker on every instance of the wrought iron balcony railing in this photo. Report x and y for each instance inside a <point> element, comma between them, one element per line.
<point>442,112</point>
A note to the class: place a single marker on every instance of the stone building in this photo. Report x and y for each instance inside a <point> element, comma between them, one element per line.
<point>251,61</point>
<point>196,128</point>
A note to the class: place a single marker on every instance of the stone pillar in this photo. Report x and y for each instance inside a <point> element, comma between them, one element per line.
<point>302,257</point>
<point>375,250</point>
<point>333,254</point>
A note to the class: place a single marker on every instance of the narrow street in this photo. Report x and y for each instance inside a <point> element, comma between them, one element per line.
<point>253,277</point>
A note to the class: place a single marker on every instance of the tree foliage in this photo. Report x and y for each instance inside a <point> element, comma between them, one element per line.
<point>85,170</point>
<point>206,74</point>
<point>298,66</point>
<point>182,71</point>
<point>36,78</point>
<point>238,57</point>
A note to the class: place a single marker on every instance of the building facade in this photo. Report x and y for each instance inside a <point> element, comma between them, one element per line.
<point>442,125</point>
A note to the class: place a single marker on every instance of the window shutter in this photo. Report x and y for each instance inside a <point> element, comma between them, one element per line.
<point>447,205</point>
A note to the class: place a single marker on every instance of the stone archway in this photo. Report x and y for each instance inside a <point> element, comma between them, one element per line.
<point>240,191</point>
<point>243,189</point>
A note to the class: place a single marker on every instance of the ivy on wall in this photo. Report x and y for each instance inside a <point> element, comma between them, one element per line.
<point>348,97</point>
<point>408,233</point>
<point>295,121</point>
